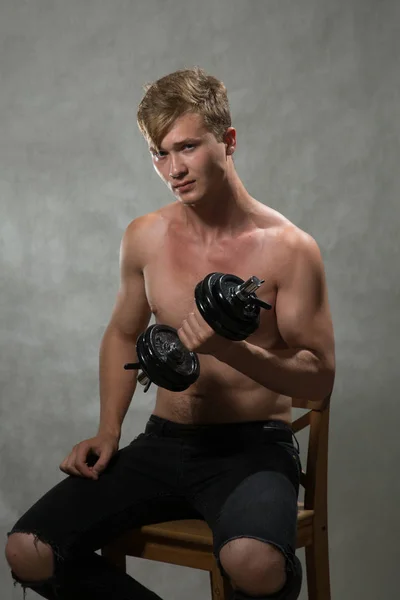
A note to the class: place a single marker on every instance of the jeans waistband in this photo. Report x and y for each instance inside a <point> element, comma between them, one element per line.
<point>272,430</point>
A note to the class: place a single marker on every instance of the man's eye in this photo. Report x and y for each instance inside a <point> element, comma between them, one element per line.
<point>162,154</point>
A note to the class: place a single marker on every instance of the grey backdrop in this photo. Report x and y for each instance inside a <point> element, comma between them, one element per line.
<point>314,91</point>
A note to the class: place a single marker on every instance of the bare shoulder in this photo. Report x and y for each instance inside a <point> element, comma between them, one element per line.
<point>153,222</point>
<point>298,243</point>
<point>142,235</point>
<point>290,241</point>
<point>140,227</point>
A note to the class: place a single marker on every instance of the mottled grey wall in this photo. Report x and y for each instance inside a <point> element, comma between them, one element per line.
<point>314,90</point>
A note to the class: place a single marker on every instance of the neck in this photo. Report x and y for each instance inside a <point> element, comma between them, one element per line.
<point>224,215</point>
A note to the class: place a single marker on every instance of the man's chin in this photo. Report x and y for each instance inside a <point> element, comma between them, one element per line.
<point>189,198</point>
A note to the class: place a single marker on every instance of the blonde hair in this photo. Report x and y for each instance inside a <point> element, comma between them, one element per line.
<point>182,92</point>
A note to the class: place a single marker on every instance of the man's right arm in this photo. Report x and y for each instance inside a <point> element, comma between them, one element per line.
<point>130,317</point>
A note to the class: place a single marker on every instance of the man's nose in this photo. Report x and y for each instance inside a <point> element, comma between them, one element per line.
<point>177,168</point>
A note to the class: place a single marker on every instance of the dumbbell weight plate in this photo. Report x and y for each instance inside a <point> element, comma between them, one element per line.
<point>165,360</point>
<point>229,317</point>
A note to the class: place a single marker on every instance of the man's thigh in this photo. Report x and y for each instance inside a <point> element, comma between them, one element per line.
<point>263,507</point>
<point>255,496</point>
<point>136,488</point>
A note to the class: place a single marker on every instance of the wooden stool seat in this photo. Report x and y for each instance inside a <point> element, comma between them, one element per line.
<point>195,531</point>
<point>150,541</point>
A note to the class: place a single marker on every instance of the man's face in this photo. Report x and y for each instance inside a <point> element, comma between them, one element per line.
<point>191,153</point>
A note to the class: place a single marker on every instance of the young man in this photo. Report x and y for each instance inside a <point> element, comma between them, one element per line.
<point>221,450</point>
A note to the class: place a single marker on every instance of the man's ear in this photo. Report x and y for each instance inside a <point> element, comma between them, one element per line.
<point>230,140</point>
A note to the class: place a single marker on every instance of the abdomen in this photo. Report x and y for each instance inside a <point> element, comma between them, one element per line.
<point>222,394</point>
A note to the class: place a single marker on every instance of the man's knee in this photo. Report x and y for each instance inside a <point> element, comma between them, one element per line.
<point>29,558</point>
<point>254,567</point>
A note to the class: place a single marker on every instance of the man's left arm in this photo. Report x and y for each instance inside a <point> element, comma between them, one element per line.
<point>306,368</point>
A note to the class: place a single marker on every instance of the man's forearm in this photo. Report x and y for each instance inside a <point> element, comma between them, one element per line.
<point>117,385</point>
<point>292,372</point>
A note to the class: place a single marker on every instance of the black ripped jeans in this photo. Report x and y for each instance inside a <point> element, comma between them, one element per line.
<point>241,478</point>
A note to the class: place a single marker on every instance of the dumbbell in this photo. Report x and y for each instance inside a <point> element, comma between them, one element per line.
<point>231,308</point>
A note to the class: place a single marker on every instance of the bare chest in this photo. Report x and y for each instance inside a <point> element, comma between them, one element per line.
<point>173,272</point>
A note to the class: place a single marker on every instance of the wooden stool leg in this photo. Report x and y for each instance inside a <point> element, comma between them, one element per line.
<point>317,562</point>
<point>114,556</point>
<point>220,586</point>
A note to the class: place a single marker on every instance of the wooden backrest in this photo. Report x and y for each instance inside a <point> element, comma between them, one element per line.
<point>315,478</point>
